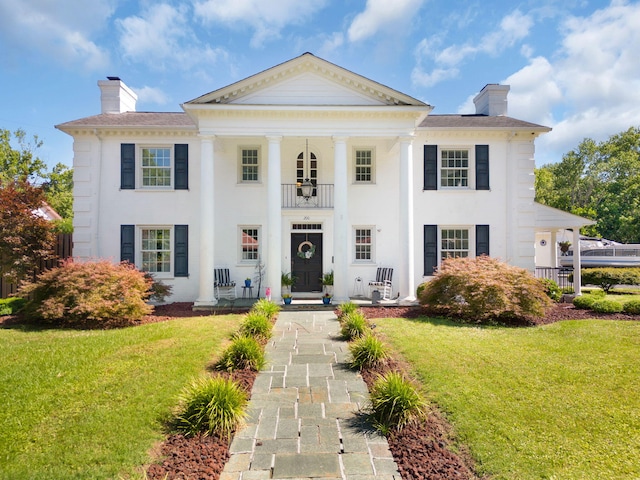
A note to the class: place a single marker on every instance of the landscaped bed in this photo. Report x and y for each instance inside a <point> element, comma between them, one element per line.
<point>420,450</point>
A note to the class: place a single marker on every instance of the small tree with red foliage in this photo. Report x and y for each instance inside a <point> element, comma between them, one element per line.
<point>26,238</point>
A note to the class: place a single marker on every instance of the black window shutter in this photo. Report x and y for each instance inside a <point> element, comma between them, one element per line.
<point>430,249</point>
<point>482,167</point>
<point>127,243</point>
<point>181,256</point>
<point>181,159</point>
<point>482,240</point>
<point>430,167</point>
<point>127,166</point>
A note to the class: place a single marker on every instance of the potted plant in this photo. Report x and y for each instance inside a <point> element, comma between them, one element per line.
<point>287,280</point>
<point>247,282</point>
<point>326,299</point>
<point>564,247</point>
<point>327,282</point>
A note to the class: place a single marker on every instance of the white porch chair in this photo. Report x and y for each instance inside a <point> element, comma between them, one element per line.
<point>382,283</point>
<point>222,281</point>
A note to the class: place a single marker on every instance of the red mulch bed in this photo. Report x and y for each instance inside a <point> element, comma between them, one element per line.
<point>422,451</point>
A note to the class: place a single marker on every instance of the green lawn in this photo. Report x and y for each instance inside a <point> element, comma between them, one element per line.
<point>555,402</point>
<point>91,404</point>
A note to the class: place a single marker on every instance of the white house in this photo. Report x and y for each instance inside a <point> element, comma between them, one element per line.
<point>222,184</point>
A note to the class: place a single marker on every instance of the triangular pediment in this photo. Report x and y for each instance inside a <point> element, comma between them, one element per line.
<point>307,80</point>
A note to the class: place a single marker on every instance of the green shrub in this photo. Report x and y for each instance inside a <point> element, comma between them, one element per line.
<point>92,291</point>
<point>346,309</point>
<point>9,306</point>
<point>483,288</point>
<point>266,307</point>
<point>420,289</point>
<point>211,406</point>
<point>354,325</point>
<point>395,402</point>
<point>606,305</point>
<point>553,291</point>
<point>584,301</point>
<point>596,293</point>
<point>243,353</point>
<point>368,352</point>
<point>607,278</point>
<point>632,307</point>
<point>256,325</point>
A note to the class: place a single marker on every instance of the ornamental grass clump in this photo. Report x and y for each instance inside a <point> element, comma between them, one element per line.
<point>484,289</point>
<point>354,325</point>
<point>266,308</point>
<point>345,309</point>
<point>95,292</point>
<point>395,402</point>
<point>243,353</point>
<point>211,406</point>
<point>256,325</point>
<point>368,352</point>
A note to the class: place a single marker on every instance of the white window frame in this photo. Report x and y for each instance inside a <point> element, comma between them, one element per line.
<point>140,252</point>
<point>470,250</point>
<point>258,166</point>
<point>241,244</point>
<point>141,168</point>
<point>372,244</point>
<point>471,161</point>
<point>372,151</point>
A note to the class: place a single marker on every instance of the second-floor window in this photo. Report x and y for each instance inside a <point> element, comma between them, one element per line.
<point>454,168</point>
<point>364,166</point>
<point>156,167</point>
<point>249,165</point>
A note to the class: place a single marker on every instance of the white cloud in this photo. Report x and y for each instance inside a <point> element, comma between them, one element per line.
<point>381,15</point>
<point>331,44</point>
<point>151,95</point>
<point>513,28</point>
<point>267,18</point>
<point>591,87</point>
<point>62,33</point>
<point>161,36</point>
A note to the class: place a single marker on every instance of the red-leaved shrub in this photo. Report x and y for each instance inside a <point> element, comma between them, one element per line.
<point>483,289</point>
<point>91,292</point>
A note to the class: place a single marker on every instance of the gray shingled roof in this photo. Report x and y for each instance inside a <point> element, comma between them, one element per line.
<point>476,121</point>
<point>133,119</point>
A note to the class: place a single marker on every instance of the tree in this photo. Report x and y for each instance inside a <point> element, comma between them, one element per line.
<point>21,164</point>
<point>600,181</point>
<point>25,237</point>
<point>58,189</point>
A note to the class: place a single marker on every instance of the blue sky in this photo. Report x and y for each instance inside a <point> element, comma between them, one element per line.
<point>572,65</point>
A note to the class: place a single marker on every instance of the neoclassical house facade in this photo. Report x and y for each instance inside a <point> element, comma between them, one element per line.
<point>306,168</point>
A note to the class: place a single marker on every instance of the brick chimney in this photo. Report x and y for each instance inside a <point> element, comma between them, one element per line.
<point>492,100</point>
<point>116,97</point>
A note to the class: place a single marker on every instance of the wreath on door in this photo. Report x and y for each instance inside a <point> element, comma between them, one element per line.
<point>306,250</point>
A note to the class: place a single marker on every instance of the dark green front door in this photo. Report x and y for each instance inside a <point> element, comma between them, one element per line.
<point>306,261</point>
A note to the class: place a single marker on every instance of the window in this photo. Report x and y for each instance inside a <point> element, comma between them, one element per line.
<point>156,250</point>
<point>363,244</point>
<point>364,166</point>
<point>249,165</point>
<point>250,244</point>
<point>156,167</point>
<point>454,168</point>
<point>454,243</point>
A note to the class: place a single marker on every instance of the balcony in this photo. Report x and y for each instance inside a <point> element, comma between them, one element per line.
<point>321,196</point>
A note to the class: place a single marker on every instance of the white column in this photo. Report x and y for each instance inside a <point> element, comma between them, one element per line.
<point>554,248</point>
<point>577,272</point>
<point>340,222</point>
<point>406,269</point>
<point>207,229</point>
<point>274,219</point>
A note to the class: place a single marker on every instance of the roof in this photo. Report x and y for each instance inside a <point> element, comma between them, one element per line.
<point>307,62</point>
<point>552,218</point>
<point>475,121</point>
<point>132,119</point>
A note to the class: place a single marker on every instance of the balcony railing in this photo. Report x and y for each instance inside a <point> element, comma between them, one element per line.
<point>321,196</point>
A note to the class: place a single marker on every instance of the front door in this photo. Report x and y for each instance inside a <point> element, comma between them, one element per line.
<point>306,261</point>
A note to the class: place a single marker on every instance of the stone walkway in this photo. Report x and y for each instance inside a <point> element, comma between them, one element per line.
<point>305,419</point>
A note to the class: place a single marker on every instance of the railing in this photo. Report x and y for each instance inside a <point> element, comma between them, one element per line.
<point>560,275</point>
<point>321,196</point>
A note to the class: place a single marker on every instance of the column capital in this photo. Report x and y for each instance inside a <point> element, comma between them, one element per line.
<point>339,138</point>
<point>206,135</point>
<point>274,138</point>
<point>406,138</point>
